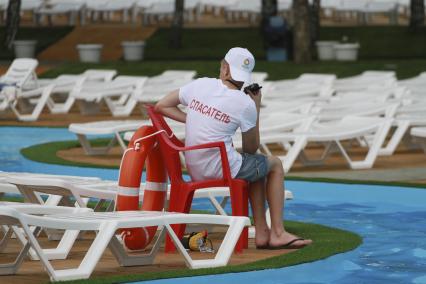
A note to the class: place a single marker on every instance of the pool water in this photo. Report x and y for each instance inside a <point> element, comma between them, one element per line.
<point>391,220</point>
<point>12,139</point>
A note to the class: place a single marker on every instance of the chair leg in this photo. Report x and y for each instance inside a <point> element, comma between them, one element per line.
<point>180,201</point>
<point>239,203</point>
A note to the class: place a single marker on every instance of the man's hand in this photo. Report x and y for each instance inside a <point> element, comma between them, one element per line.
<point>256,97</point>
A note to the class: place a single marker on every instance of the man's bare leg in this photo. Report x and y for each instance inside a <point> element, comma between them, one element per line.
<point>257,201</point>
<point>275,196</point>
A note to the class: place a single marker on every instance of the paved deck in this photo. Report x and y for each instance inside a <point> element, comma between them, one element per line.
<point>110,36</point>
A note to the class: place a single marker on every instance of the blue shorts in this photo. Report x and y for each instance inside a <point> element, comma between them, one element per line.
<point>253,167</point>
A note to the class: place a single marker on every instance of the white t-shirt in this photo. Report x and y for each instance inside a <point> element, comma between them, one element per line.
<point>214,113</point>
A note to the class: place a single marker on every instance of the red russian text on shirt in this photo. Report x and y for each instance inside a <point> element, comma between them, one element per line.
<point>209,111</point>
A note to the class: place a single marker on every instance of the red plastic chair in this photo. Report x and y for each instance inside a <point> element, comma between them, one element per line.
<point>182,192</point>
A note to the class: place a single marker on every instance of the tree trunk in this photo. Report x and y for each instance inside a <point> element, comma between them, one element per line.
<point>302,37</point>
<point>12,22</point>
<point>417,11</point>
<point>315,20</point>
<point>315,24</point>
<point>177,25</point>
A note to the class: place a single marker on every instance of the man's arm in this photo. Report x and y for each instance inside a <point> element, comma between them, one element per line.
<point>251,138</point>
<point>168,106</point>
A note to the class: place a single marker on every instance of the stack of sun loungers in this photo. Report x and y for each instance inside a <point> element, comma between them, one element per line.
<point>312,108</point>
<point>152,11</point>
<point>26,95</point>
<point>373,110</point>
<point>25,220</point>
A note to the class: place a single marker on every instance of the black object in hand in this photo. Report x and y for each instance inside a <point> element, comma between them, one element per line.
<point>253,88</point>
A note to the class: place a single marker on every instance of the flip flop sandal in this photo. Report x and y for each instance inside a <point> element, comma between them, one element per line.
<point>287,245</point>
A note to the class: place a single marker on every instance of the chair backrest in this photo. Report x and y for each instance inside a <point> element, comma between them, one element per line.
<point>20,71</point>
<point>169,145</point>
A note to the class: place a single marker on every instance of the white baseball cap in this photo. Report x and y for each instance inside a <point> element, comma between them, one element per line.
<point>241,63</point>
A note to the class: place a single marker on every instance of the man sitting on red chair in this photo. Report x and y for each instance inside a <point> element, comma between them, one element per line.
<point>216,108</point>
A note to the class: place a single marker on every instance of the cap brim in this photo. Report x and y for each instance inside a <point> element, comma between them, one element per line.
<point>239,75</point>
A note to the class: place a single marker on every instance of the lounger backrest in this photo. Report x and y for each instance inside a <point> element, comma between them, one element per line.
<point>20,71</point>
<point>179,74</point>
<point>100,75</point>
<point>31,5</point>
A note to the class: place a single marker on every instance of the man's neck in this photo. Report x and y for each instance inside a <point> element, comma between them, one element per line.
<point>231,85</point>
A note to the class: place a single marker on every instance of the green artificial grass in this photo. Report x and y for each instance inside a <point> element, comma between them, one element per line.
<point>46,153</point>
<point>327,242</point>
<point>12,198</point>
<point>380,42</point>
<point>204,44</point>
<point>276,70</point>
<point>377,42</point>
<point>44,36</point>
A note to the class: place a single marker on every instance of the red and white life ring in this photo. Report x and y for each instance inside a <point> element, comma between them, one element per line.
<point>142,147</point>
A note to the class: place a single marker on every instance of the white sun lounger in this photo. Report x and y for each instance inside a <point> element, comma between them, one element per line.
<point>154,88</point>
<point>20,73</point>
<point>11,231</point>
<point>28,105</point>
<point>31,6</point>
<point>278,123</point>
<point>381,7</point>
<point>115,128</point>
<point>67,84</point>
<point>365,80</point>
<point>61,251</point>
<point>333,134</point>
<point>216,5</point>
<point>338,111</point>
<point>402,124</point>
<point>308,85</point>
<point>417,81</point>
<point>75,193</point>
<point>6,187</point>
<point>60,7</point>
<point>177,128</point>
<point>36,197</point>
<point>258,77</point>
<point>106,225</point>
<point>91,94</point>
<point>92,75</point>
<point>106,8</point>
<point>165,9</point>
<point>248,8</point>
<point>108,127</point>
<point>420,134</point>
